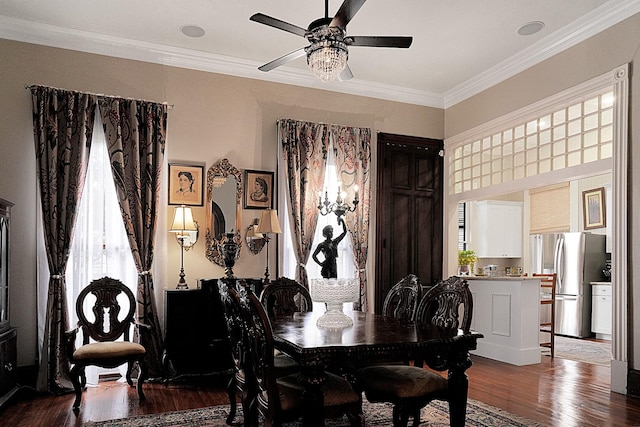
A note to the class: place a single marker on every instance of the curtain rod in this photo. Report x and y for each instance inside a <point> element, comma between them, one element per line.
<point>99,94</point>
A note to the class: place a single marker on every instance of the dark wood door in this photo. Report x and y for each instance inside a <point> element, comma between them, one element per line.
<point>409,213</point>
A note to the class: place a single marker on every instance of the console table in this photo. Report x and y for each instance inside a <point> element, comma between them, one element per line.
<point>196,336</point>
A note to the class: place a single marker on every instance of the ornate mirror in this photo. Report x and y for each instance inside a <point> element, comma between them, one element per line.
<point>224,198</point>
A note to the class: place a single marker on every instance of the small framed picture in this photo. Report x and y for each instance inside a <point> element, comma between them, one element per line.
<point>594,208</point>
<point>186,184</point>
<point>258,189</point>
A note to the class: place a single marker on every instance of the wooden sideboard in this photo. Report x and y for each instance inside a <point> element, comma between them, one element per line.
<point>8,334</point>
<point>196,337</point>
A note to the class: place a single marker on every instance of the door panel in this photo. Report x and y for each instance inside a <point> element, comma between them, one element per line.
<point>409,211</point>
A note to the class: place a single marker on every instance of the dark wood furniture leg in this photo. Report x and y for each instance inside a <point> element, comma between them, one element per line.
<point>458,389</point>
<point>312,397</point>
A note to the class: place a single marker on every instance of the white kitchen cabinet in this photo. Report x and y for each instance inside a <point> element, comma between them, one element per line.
<point>601,314</point>
<point>498,229</point>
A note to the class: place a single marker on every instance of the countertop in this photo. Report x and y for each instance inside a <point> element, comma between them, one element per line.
<point>500,278</point>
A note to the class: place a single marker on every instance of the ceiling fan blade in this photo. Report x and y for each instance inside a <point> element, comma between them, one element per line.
<point>276,23</point>
<point>346,74</point>
<point>346,13</point>
<point>283,60</point>
<point>380,41</point>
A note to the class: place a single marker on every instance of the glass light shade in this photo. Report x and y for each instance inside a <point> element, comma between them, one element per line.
<point>334,293</point>
<point>327,59</point>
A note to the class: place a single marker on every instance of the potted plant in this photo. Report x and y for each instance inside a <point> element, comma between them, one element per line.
<point>466,259</point>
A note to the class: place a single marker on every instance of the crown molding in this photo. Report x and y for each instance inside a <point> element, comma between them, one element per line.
<point>84,41</point>
<point>601,18</point>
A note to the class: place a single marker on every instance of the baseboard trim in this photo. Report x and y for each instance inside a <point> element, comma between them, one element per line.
<point>633,383</point>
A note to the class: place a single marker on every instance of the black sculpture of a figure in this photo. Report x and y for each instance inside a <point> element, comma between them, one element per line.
<point>329,248</point>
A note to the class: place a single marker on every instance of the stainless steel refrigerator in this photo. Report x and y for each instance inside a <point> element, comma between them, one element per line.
<point>577,259</point>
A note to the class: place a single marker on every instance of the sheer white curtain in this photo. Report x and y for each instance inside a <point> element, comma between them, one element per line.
<point>346,264</point>
<point>100,246</point>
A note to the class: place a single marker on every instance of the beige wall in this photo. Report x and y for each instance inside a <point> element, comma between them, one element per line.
<point>214,116</point>
<point>596,56</point>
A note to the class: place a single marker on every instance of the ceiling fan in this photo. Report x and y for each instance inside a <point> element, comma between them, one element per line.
<point>328,50</point>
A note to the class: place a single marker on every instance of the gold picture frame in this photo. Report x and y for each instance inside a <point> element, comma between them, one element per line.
<point>593,207</point>
<point>186,184</point>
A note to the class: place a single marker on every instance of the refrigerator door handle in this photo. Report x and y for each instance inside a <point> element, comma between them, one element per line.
<point>559,263</point>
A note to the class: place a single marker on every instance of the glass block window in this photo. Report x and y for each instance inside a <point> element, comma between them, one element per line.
<point>574,134</point>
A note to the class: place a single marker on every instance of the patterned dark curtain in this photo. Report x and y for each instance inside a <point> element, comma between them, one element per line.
<point>135,132</point>
<point>63,128</point>
<point>304,147</point>
<point>352,151</point>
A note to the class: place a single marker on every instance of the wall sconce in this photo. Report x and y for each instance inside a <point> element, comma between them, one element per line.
<point>255,241</point>
<point>186,230</point>
<point>268,224</point>
<point>340,207</point>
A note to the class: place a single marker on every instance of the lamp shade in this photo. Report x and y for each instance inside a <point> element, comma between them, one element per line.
<point>183,220</point>
<point>252,232</point>
<point>269,222</point>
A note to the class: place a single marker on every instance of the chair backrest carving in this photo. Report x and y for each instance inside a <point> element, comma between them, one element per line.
<point>260,348</point>
<point>283,297</point>
<point>234,320</point>
<point>402,299</point>
<point>440,305</point>
<point>107,324</point>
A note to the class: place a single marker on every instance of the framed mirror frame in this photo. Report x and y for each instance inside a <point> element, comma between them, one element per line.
<point>213,250</point>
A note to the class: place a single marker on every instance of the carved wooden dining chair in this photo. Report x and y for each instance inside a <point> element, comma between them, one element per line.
<point>279,399</point>
<point>283,297</point>
<point>410,388</point>
<point>402,299</point>
<point>103,320</point>
<point>240,384</point>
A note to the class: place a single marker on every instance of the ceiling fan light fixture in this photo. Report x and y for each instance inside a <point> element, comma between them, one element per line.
<point>327,59</point>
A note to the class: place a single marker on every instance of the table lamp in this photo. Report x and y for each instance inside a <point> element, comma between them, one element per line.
<point>183,225</point>
<point>268,224</point>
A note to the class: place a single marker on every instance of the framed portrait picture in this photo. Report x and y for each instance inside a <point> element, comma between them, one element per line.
<point>258,189</point>
<point>593,205</point>
<point>186,184</point>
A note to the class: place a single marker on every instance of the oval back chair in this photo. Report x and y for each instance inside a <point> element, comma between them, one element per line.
<point>103,322</point>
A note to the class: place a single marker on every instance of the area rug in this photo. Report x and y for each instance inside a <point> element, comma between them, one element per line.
<point>436,414</point>
<point>596,353</point>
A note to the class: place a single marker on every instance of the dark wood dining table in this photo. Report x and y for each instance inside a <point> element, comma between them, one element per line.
<point>372,339</point>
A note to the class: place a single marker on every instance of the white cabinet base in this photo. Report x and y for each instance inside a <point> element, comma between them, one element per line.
<point>506,312</point>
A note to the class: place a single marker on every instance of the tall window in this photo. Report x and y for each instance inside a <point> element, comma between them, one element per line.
<point>100,246</point>
<point>345,261</point>
<point>462,226</point>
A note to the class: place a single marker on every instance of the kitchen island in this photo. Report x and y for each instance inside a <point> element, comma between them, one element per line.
<point>506,311</point>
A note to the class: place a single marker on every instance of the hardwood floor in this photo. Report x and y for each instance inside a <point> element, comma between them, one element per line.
<point>556,392</point>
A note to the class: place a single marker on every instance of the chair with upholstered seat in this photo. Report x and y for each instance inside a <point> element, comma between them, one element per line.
<point>103,321</point>
<point>410,388</point>
<point>402,299</point>
<point>283,297</point>
<point>239,384</point>
<point>279,399</point>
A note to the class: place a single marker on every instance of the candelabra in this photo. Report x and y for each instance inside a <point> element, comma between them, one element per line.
<point>340,206</point>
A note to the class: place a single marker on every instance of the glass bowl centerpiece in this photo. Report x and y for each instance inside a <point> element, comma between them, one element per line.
<point>334,293</point>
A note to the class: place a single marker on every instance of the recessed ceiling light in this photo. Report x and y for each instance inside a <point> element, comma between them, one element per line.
<point>530,28</point>
<point>192,31</point>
